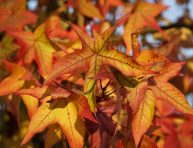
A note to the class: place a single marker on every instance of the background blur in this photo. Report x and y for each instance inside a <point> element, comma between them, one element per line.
<point>179,16</point>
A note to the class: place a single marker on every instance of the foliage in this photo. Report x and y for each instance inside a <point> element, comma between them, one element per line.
<point>83,83</point>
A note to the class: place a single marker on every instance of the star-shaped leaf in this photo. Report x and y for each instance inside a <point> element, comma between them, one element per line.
<point>14,16</point>
<point>142,98</point>
<point>142,16</point>
<point>35,46</point>
<point>65,113</point>
<point>95,53</point>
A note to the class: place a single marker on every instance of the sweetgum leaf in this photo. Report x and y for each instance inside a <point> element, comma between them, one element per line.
<point>169,93</point>
<point>14,16</point>
<point>142,16</point>
<point>53,135</point>
<point>31,103</point>
<point>93,55</point>
<point>143,118</point>
<point>65,113</point>
<point>88,9</point>
<point>35,46</point>
<point>14,82</point>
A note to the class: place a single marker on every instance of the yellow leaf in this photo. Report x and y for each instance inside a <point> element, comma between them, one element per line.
<point>143,118</point>
<point>92,57</point>
<point>136,96</point>
<point>13,82</point>
<point>53,135</point>
<point>142,16</point>
<point>31,104</point>
<point>88,9</point>
<point>65,113</point>
<point>167,92</point>
<point>44,51</point>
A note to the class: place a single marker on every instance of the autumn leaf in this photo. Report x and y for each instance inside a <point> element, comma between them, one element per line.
<point>142,16</point>
<point>14,82</point>
<point>143,118</point>
<point>92,56</point>
<point>7,47</point>
<point>45,91</point>
<point>107,4</point>
<point>15,16</point>
<point>167,92</point>
<point>53,135</point>
<point>148,142</point>
<point>88,9</point>
<point>150,57</point>
<point>169,71</point>
<point>65,113</point>
<point>135,43</point>
<point>35,47</point>
<point>137,95</point>
<point>59,34</point>
<point>31,103</point>
<point>142,98</point>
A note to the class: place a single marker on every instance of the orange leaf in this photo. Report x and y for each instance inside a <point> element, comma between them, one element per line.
<point>65,113</point>
<point>149,57</point>
<point>15,16</point>
<point>94,54</point>
<point>43,92</point>
<point>88,9</point>
<point>143,118</point>
<point>31,104</point>
<point>135,44</point>
<point>53,135</point>
<point>142,16</point>
<point>36,47</point>
<point>167,92</point>
<point>14,82</point>
<point>136,96</point>
<point>169,71</point>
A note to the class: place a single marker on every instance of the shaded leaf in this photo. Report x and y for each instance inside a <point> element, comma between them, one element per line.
<point>143,118</point>
<point>88,9</point>
<point>14,82</point>
<point>15,16</point>
<point>142,16</point>
<point>167,92</point>
<point>31,104</point>
<point>36,47</point>
<point>64,112</point>
<point>43,92</point>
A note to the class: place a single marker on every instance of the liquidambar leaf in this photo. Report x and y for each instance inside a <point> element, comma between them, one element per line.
<point>43,92</point>
<point>88,9</point>
<point>169,71</point>
<point>65,113</point>
<point>35,47</point>
<point>53,135</point>
<point>13,82</point>
<point>15,16</point>
<point>143,118</point>
<point>31,104</point>
<point>137,95</point>
<point>143,15</point>
<point>94,54</point>
<point>167,92</point>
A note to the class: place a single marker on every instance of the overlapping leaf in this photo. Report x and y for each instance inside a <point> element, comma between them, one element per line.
<point>13,15</point>
<point>92,56</point>
<point>88,9</point>
<point>14,82</point>
<point>143,15</point>
<point>65,113</point>
<point>35,47</point>
<point>159,88</point>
